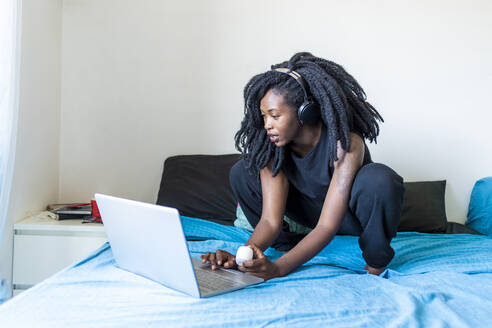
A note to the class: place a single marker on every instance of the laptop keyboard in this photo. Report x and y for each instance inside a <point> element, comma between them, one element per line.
<point>212,281</point>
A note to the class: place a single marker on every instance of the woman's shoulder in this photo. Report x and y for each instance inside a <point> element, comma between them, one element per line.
<point>358,138</point>
<point>357,146</point>
<point>357,133</point>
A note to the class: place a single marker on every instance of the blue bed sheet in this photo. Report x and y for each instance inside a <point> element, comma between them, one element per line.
<point>435,280</point>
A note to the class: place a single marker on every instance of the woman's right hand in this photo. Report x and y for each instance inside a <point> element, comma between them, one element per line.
<point>220,258</point>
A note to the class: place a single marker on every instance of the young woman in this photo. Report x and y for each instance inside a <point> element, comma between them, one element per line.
<point>304,156</point>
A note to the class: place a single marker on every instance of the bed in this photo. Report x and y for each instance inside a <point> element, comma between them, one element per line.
<point>435,280</point>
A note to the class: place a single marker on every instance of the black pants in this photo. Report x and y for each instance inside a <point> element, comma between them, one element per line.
<point>374,209</point>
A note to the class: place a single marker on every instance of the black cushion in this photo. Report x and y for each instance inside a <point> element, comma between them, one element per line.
<point>455,227</point>
<point>198,186</point>
<point>424,208</point>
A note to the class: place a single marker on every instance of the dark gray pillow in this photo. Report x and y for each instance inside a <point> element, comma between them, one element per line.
<point>424,208</point>
<point>198,186</point>
<point>454,227</point>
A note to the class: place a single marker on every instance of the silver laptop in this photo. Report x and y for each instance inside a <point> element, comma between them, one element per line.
<point>148,240</point>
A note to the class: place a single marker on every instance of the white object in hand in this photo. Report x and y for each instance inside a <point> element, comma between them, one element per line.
<point>244,253</point>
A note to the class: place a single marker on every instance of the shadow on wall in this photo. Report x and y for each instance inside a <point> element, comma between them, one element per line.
<point>4,290</point>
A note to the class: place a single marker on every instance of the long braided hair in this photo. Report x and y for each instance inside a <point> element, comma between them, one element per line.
<point>341,99</point>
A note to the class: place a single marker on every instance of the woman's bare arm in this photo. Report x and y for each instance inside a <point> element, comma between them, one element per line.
<point>333,211</point>
<point>274,191</point>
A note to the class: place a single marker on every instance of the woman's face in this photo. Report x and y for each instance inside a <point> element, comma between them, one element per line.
<point>279,119</point>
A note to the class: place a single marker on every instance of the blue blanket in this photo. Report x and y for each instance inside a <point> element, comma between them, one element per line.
<point>434,280</point>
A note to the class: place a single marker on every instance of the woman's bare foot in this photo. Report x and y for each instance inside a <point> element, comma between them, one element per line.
<point>374,271</point>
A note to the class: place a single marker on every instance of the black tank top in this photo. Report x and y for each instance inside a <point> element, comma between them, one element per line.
<point>311,174</point>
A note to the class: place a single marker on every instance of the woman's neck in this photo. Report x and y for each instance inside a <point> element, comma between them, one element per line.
<point>306,139</point>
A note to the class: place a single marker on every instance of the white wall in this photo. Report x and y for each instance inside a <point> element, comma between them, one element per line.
<point>143,80</point>
<point>35,180</point>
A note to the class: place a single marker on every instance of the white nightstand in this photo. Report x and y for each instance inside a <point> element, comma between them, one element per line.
<point>43,247</point>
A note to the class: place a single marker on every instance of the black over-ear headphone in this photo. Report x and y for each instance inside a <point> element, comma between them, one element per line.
<point>309,111</point>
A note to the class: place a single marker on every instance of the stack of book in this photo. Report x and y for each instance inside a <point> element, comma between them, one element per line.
<point>71,211</point>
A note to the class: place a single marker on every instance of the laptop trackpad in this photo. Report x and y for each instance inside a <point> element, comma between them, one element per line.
<point>213,281</point>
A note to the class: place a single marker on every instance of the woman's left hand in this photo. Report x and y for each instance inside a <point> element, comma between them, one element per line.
<point>260,265</point>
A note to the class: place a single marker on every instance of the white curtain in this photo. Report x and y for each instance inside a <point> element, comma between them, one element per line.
<point>9,60</point>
